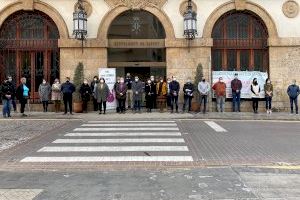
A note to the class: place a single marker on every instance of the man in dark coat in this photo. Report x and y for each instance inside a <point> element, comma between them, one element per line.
<point>188,90</point>
<point>93,85</point>
<point>13,97</point>
<point>68,89</point>
<point>137,89</point>
<point>174,91</point>
<point>6,94</point>
<point>121,90</point>
<point>236,86</point>
<point>293,92</point>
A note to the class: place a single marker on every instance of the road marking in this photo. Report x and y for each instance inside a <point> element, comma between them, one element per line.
<point>111,159</point>
<point>150,121</point>
<point>127,129</point>
<point>124,134</point>
<point>19,194</point>
<point>128,125</point>
<point>215,126</point>
<point>123,140</point>
<point>112,148</point>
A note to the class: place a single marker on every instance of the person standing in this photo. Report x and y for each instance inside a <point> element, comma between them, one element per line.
<point>268,87</point>
<point>85,92</point>
<point>93,85</point>
<point>220,91</point>
<point>23,94</point>
<point>101,94</point>
<point>115,89</point>
<point>137,89</point>
<point>68,88</point>
<point>188,90</point>
<point>154,84</point>
<point>236,87</point>
<point>6,94</point>
<point>44,93</point>
<point>121,90</point>
<point>174,91</point>
<point>161,93</point>
<point>203,88</point>
<point>168,94</point>
<point>293,92</point>
<point>13,96</point>
<point>56,95</point>
<point>255,90</point>
<point>128,81</point>
<point>149,94</point>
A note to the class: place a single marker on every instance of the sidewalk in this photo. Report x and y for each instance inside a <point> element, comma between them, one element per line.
<point>156,115</point>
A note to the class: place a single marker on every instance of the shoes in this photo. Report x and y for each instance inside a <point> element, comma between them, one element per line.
<point>100,113</point>
<point>24,115</point>
<point>64,113</point>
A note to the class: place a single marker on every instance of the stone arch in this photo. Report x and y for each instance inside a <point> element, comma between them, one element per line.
<point>43,7</point>
<point>112,14</point>
<point>221,10</point>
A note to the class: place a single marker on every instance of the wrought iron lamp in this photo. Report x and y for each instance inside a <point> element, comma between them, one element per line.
<point>80,23</point>
<point>190,23</point>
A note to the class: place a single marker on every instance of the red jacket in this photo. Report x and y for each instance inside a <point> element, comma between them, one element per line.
<point>220,88</point>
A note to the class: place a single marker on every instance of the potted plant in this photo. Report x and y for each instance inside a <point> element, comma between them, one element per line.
<point>198,78</point>
<point>78,80</point>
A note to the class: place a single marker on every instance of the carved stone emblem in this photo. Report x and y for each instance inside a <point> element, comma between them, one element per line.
<point>87,7</point>
<point>136,4</point>
<point>290,8</point>
<point>183,7</point>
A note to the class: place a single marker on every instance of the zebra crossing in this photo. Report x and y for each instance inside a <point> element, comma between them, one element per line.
<point>117,141</point>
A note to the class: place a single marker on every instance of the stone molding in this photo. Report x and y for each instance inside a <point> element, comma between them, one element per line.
<point>136,4</point>
<point>87,7</point>
<point>183,7</point>
<point>240,4</point>
<point>290,9</point>
<point>37,5</point>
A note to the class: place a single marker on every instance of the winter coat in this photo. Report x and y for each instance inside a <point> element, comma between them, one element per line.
<point>174,88</point>
<point>236,84</point>
<point>129,83</point>
<point>67,88</point>
<point>149,90</point>
<point>164,89</point>
<point>120,89</point>
<point>85,92</point>
<point>20,91</point>
<point>137,90</point>
<point>101,93</point>
<point>6,91</point>
<point>220,89</point>
<point>56,92</point>
<point>44,91</point>
<point>188,89</point>
<point>293,91</point>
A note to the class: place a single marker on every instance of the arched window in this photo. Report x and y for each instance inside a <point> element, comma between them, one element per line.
<point>29,48</point>
<point>240,43</point>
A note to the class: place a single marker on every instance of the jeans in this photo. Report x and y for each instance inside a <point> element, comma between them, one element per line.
<point>6,107</point>
<point>68,102</point>
<point>236,101</point>
<point>187,100</point>
<point>255,104</point>
<point>174,100</point>
<point>294,101</point>
<point>137,105</point>
<point>204,99</point>
<point>268,103</point>
<point>220,103</point>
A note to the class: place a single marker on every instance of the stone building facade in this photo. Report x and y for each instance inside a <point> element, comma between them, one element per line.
<point>280,46</point>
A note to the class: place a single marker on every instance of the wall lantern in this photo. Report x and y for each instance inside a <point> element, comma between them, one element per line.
<point>190,23</point>
<point>80,23</point>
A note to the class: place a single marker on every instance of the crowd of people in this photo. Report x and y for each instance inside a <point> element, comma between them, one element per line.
<point>159,94</point>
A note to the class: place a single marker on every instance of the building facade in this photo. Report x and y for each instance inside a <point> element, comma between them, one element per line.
<point>145,37</point>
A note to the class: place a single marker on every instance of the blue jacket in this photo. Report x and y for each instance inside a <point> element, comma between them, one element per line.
<point>67,88</point>
<point>293,91</point>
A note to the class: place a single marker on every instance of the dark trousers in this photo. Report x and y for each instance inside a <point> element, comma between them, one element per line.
<point>95,103</point>
<point>122,105</point>
<point>169,99</point>
<point>187,100</point>
<point>294,101</point>
<point>137,105</point>
<point>23,102</point>
<point>68,102</point>
<point>102,103</point>
<point>236,101</point>
<point>154,101</point>
<point>203,98</point>
<point>85,105</point>
<point>174,100</point>
<point>149,102</point>
<point>45,106</point>
<point>268,103</point>
<point>255,104</point>
<point>13,102</point>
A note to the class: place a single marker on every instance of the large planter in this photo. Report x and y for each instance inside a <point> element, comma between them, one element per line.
<point>195,107</point>
<point>77,107</point>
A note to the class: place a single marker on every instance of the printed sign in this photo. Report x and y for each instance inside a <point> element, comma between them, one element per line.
<point>109,75</point>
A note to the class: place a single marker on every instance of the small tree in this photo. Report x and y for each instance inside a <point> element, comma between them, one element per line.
<point>198,78</point>
<point>78,80</point>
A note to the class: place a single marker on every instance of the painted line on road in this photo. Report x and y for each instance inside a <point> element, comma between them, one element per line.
<point>112,148</point>
<point>123,134</point>
<point>130,140</point>
<point>150,121</point>
<point>128,125</point>
<point>128,129</point>
<point>215,126</point>
<point>111,159</point>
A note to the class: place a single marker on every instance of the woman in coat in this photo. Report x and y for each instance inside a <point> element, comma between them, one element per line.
<point>121,90</point>
<point>56,95</point>
<point>137,90</point>
<point>255,90</point>
<point>85,92</point>
<point>149,93</point>
<point>44,93</point>
<point>161,91</point>
<point>101,93</point>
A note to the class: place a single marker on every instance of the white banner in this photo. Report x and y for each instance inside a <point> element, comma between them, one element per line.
<point>246,78</point>
<point>109,75</point>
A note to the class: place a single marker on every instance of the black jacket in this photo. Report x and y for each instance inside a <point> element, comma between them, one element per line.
<point>85,91</point>
<point>67,88</point>
<point>19,92</point>
<point>150,90</point>
<point>174,88</point>
<point>6,89</point>
<point>188,89</point>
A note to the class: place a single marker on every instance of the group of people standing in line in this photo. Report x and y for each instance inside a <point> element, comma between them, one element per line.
<point>129,92</point>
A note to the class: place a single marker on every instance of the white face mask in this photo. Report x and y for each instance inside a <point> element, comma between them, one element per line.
<point>136,80</point>
<point>174,79</point>
<point>161,81</point>
<point>44,82</point>
<point>95,79</point>
<point>10,80</point>
<point>149,82</point>
<point>121,81</point>
<point>152,79</point>
<point>169,81</point>
<point>189,81</point>
<point>85,82</point>
<point>101,81</point>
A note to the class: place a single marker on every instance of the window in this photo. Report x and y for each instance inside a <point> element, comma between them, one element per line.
<point>240,43</point>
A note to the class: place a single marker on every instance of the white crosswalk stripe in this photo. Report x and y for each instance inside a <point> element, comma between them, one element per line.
<point>117,141</point>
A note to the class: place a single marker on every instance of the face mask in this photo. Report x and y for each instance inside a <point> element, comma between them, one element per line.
<point>174,79</point>
<point>149,82</point>
<point>169,81</point>
<point>269,82</point>
<point>44,82</point>
<point>85,82</point>
<point>161,81</point>
<point>189,81</point>
<point>235,77</point>
<point>101,81</point>
<point>121,81</point>
<point>136,80</point>
<point>95,79</point>
<point>152,79</point>
<point>10,80</point>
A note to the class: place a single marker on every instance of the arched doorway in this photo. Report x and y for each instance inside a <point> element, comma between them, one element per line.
<point>29,48</point>
<point>137,44</point>
<point>240,43</point>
